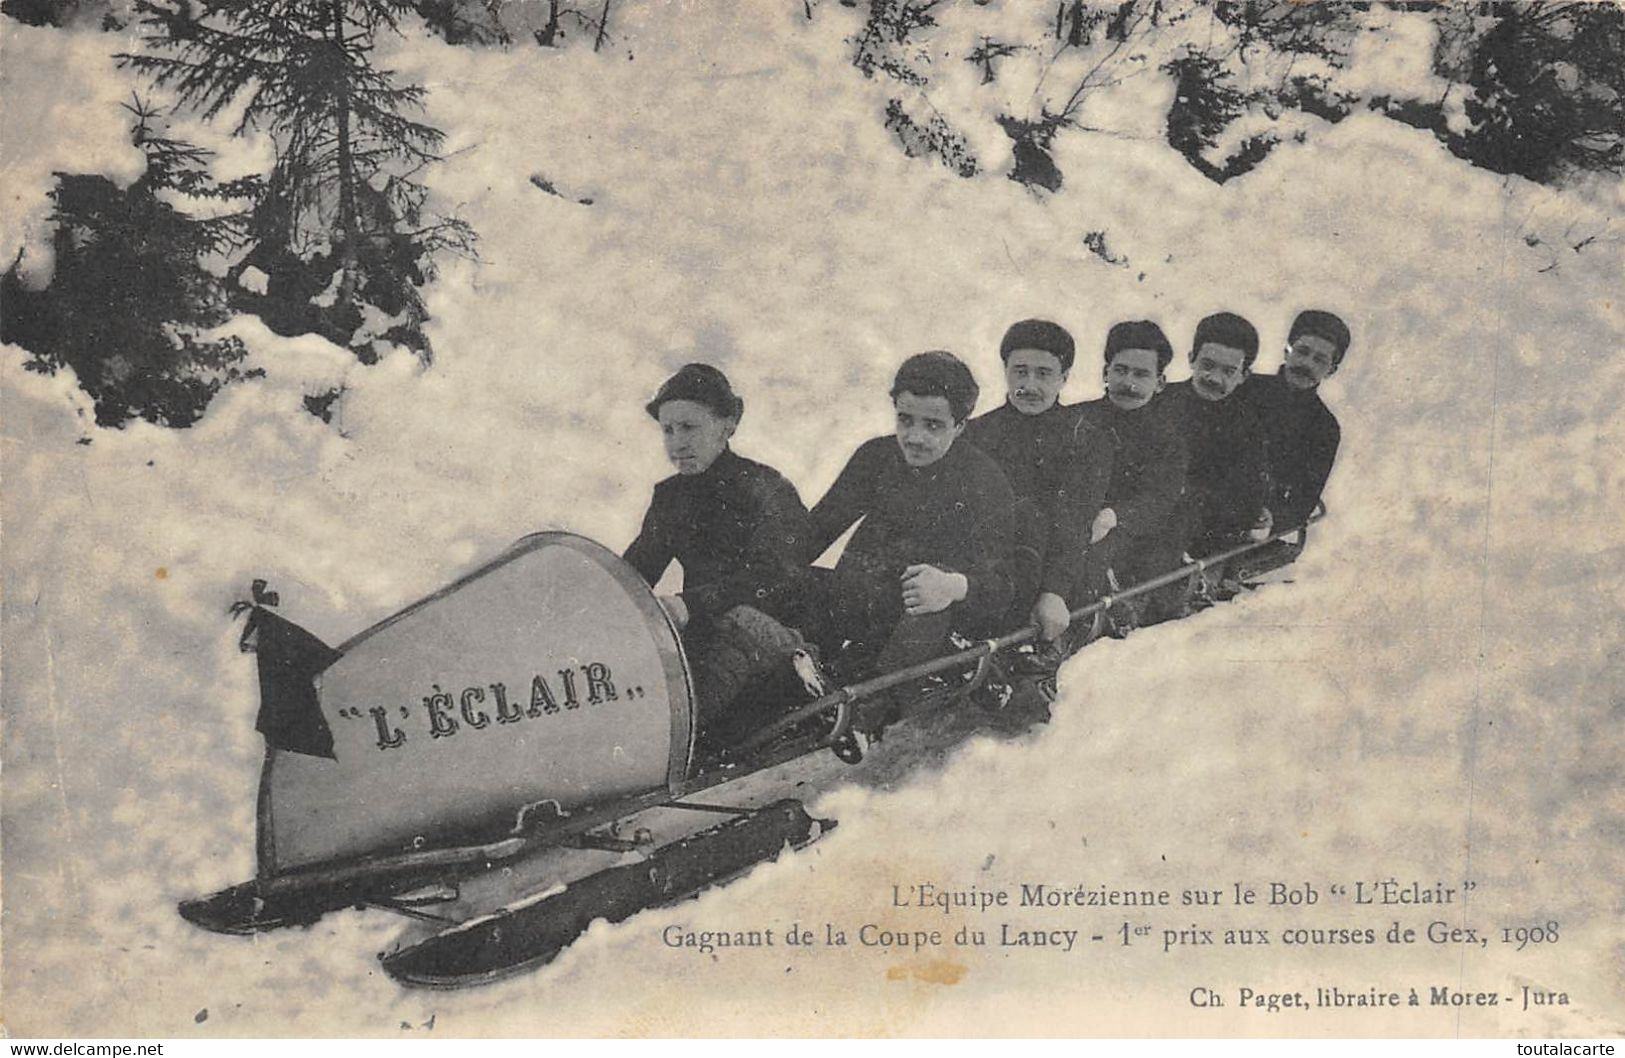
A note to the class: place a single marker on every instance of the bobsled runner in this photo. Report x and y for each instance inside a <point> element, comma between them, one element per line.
<point>515,756</point>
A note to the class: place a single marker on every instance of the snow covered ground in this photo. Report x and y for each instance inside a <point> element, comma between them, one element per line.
<point>1437,697</point>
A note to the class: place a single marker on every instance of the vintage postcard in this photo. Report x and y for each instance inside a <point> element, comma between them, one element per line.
<point>433,437</point>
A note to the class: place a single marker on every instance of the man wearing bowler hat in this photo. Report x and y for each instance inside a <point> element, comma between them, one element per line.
<point>740,532</point>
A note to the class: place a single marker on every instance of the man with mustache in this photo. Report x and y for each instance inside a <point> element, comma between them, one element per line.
<point>1136,535</point>
<point>1302,433</point>
<point>933,551</point>
<point>1031,437</point>
<point>1227,483</point>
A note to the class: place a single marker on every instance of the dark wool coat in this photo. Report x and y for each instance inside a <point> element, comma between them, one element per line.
<point>1302,436</point>
<point>740,531</point>
<point>955,514</point>
<point>1227,483</point>
<point>1148,463</point>
<point>1030,449</point>
<point>1058,474</point>
<point>1146,480</point>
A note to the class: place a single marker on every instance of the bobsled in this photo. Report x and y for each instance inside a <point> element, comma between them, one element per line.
<point>515,756</point>
<point>532,705</point>
<point>547,680</point>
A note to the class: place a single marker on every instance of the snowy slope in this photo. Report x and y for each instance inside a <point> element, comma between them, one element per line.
<point>1436,697</point>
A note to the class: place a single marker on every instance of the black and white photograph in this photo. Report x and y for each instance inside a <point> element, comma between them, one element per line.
<point>812,518</point>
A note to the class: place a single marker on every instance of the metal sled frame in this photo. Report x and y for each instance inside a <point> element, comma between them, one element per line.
<point>301,895</point>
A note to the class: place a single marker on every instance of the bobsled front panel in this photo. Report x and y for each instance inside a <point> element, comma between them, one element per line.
<point>550,674</point>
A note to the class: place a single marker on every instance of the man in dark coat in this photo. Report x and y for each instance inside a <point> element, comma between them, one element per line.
<point>1227,483</point>
<point>1031,437</point>
<point>1136,534</point>
<point>933,552</point>
<point>1301,431</point>
<point>740,532</point>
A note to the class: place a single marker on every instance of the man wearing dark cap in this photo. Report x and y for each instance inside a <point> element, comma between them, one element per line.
<point>1302,433</point>
<point>932,554</point>
<point>1227,482</point>
<point>1135,536</point>
<point>739,530</point>
<point>1030,436</point>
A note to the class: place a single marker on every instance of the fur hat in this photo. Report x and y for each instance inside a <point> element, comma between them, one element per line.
<point>702,384</point>
<point>1043,335</point>
<point>1227,329</point>
<point>1321,324</point>
<point>1139,334</point>
<point>938,374</point>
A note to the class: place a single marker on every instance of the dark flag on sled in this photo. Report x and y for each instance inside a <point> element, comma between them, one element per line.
<point>289,659</point>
